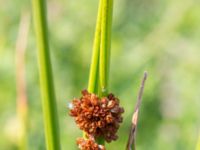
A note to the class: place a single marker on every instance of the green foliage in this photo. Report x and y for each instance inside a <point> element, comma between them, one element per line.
<point>161,37</point>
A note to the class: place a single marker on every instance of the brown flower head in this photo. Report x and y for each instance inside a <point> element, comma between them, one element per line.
<point>99,117</point>
<point>88,144</point>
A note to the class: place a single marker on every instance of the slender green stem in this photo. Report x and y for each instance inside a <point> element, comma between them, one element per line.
<point>105,45</point>
<point>98,80</point>
<point>94,67</point>
<point>46,78</point>
<point>93,79</point>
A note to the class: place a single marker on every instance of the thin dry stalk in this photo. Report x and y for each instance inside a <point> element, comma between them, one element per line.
<point>22,107</point>
<point>132,134</point>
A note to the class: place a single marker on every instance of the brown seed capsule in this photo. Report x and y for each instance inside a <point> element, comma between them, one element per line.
<point>111,104</point>
<point>109,118</point>
<point>104,100</point>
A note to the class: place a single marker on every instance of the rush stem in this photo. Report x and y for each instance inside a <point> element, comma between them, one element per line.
<point>46,78</point>
<point>99,69</point>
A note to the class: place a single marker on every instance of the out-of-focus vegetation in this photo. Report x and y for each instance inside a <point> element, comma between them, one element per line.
<point>162,37</point>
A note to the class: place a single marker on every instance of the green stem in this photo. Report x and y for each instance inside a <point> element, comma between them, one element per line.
<point>99,69</point>
<point>105,45</point>
<point>93,79</point>
<point>94,67</point>
<point>46,78</point>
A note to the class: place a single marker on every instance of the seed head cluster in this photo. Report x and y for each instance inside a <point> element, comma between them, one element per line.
<point>89,144</point>
<point>98,117</point>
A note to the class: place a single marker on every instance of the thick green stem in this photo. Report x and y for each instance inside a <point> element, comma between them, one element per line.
<point>105,45</point>
<point>46,78</point>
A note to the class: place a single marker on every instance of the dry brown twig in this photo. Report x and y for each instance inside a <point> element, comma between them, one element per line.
<point>132,133</point>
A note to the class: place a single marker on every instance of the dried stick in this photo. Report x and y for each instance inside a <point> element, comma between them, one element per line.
<point>132,134</point>
<point>22,106</point>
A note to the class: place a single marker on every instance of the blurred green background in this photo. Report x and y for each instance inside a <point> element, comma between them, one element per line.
<point>160,36</point>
